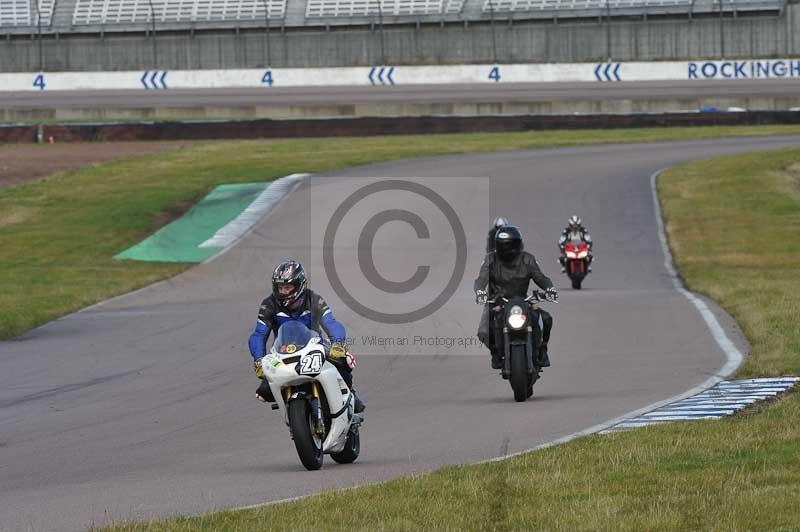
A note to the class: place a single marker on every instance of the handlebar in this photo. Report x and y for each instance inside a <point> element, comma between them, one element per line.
<point>536,297</point>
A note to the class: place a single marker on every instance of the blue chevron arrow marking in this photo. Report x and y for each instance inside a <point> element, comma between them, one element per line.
<point>607,72</point>
<point>381,75</point>
<point>156,79</point>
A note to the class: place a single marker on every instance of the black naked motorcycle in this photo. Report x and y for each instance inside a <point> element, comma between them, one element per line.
<point>517,329</point>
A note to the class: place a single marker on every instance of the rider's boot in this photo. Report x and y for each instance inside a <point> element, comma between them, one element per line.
<point>497,359</point>
<point>264,392</point>
<point>544,359</point>
<point>358,404</point>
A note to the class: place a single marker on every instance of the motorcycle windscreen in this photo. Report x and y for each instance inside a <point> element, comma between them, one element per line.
<point>292,336</point>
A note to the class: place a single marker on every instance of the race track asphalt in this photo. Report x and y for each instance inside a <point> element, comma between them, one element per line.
<point>143,406</point>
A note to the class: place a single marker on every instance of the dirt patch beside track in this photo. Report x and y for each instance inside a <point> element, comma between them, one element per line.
<point>26,162</point>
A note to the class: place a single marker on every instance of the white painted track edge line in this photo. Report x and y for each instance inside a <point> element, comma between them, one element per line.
<point>272,193</point>
<point>291,182</point>
<point>732,353</point>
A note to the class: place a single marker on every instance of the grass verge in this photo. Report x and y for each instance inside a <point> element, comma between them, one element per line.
<point>58,235</point>
<point>733,226</point>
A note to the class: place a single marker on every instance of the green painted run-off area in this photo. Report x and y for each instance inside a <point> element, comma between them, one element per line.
<point>180,240</point>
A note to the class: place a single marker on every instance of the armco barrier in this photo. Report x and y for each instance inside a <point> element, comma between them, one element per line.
<point>387,76</point>
<point>343,127</point>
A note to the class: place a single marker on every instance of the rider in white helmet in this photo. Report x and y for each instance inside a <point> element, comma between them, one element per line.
<point>574,228</point>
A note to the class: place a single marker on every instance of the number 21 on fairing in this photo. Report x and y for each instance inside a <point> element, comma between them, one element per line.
<point>311,363</point>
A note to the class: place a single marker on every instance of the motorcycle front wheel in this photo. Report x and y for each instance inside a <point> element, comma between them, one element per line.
<point>519,373</point>
<point>306,441</point>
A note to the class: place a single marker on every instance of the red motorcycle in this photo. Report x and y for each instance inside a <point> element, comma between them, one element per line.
<point>577,263</point>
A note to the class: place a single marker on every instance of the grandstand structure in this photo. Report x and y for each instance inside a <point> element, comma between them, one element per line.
<point>153,35</point>
<point>91,16</point>
<point>26,13</point>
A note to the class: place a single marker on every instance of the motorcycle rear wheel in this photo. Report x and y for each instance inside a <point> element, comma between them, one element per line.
<point>519,373</point>
<point>308,448</point>
<point>351,449</point>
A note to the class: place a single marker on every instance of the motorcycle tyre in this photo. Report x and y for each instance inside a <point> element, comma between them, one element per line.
<point>576,283</point>
<point>519,377</point>
<point>352,448</point>
<point>300,422</point>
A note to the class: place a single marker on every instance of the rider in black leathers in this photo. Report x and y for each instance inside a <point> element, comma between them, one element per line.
<point>507,271</point>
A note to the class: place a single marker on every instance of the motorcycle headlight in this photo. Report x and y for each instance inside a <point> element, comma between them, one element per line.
<point>582,254</point>
<point>570,255</point>
<point>516,318</point>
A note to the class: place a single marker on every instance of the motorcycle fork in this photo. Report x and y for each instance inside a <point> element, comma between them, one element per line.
<point>533,336</point>
<point>506,354</point>
<point>316,405</point>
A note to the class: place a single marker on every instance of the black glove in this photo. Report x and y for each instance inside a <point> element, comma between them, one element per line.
<point>481,297</point>
<point>551,294</point>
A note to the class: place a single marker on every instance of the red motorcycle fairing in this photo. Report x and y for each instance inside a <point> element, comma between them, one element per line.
<point>576,257</point>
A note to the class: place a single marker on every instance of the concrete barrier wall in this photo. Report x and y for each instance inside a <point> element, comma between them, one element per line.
<point>152,80</point>
<point>520,42</point>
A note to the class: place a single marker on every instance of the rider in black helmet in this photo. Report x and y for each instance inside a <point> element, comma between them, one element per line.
<point>507,271</point>
<point>498,223</point>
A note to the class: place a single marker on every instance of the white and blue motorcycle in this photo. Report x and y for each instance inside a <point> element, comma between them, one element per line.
<point>316,403</point>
